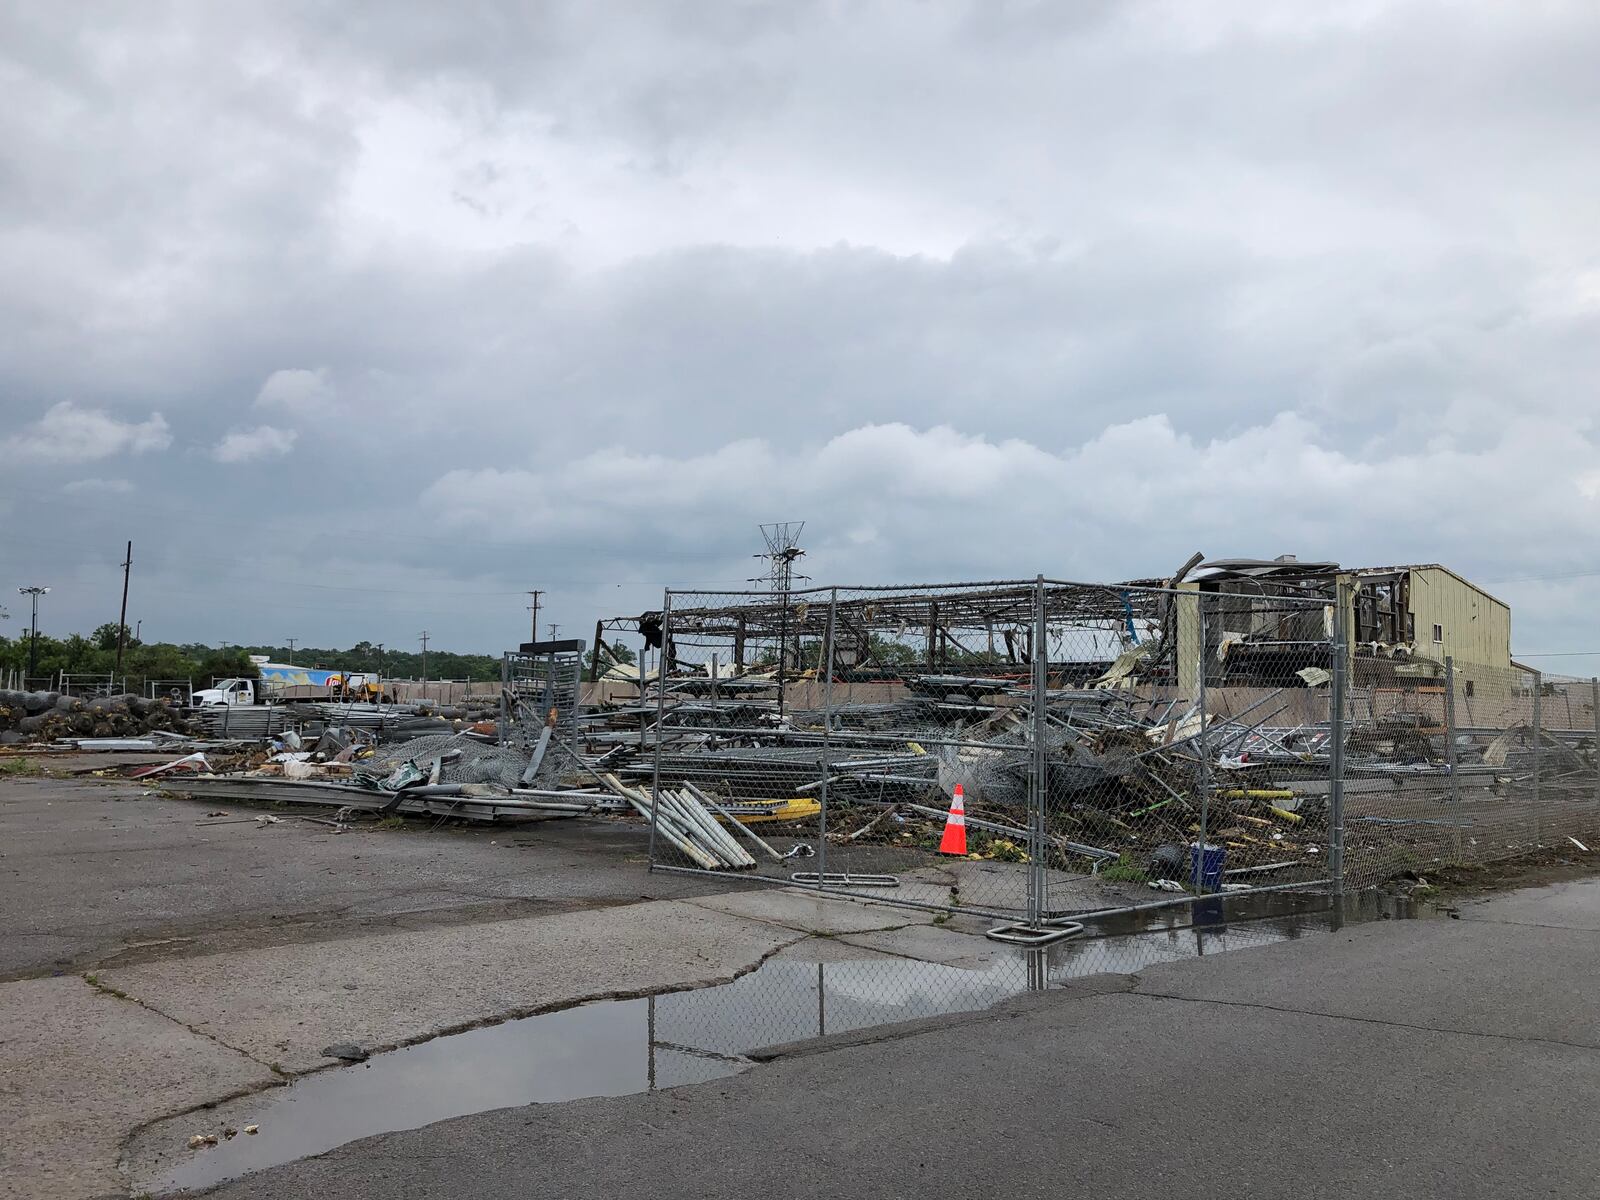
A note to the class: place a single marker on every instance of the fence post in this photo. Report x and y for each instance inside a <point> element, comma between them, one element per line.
<point>827,730</point>
<point>1202,742</point>
<point>1336,736</point>
<point>661,716</point>
<point>1450,752</point>
<point>1594,702</point>
<point>1039,776</point>
<point>505,683</point>
<point>1538,748</point>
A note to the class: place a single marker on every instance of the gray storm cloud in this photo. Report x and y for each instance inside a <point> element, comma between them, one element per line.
<point>399,310</point>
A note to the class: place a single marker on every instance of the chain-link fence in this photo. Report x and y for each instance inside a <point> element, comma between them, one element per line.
<point>1468,765</point>
<point>1039,750</point>
<point>1025,750</point>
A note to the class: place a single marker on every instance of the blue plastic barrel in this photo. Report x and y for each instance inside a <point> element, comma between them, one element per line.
<point>1205,866</point>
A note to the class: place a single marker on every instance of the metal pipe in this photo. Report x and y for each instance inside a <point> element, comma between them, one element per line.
<point>1038,777</point>
<point>827,728</point>
<point>662,825</point>
<point>1450,751</point>
<point>1202,777</point>
<point>718,839</point>
<point>661,710</point>
<point>1336,719</point>
<point>1538,750</point>
<point>739,825</point>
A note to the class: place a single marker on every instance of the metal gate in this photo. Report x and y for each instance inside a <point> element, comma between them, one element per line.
<point>540,691</point>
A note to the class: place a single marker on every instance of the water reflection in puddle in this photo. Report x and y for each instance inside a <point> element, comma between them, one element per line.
<point>617,1047</point>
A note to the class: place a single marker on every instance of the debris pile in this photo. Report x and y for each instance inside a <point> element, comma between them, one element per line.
<point>1125,778</point>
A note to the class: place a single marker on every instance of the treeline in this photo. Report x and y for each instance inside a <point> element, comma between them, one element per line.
<point>142,662</point>
<point>168,662</point>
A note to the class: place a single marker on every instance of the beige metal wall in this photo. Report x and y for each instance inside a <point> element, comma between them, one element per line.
<point>1477,627</point>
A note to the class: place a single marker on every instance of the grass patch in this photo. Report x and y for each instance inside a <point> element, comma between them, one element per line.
<point>1125,870</point>
<point>18,766</point>
<point>995,849</point>
<point>392,821</point>
<point>94,982</point>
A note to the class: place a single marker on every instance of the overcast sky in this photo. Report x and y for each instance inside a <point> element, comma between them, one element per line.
<point>362,318</point>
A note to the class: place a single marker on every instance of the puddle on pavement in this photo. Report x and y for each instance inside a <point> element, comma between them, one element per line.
<point>618,1047</point>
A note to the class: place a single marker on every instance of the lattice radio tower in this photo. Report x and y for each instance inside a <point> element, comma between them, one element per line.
<point>783,548</point>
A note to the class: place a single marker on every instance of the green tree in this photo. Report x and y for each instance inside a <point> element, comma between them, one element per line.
<point>105,637</point>
<point>615,652</point>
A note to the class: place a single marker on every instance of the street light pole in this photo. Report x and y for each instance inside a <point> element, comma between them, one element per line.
<point>33,636</point>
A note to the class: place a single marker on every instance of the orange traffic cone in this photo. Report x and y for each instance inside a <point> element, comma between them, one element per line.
<point>954,840</point>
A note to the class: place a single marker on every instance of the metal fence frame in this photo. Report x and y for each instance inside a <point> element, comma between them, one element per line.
<point>1031,918</point>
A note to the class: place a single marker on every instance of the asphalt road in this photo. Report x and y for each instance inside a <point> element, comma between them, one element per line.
<point>96,873</point>
<point>1442,1058</point>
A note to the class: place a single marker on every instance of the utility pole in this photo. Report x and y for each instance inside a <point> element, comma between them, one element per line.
<point>534,609</point>
<point>33,636</point>
<point>554,629</point>
<point>424,636</point>
<point>380,660</point>
<point>122,617</point>
<point>291,642</point>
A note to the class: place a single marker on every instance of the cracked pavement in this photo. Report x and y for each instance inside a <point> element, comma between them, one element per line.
<point>1437,1058</point>
<point>161,959</point>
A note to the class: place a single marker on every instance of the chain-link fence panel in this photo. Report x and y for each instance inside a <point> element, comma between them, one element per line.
<point>1027,750</point>
<point>1254,684</point>
<point>1469,764</point>
<point>732,778</point>
<point>1039,750</point>
<point>928,711</point>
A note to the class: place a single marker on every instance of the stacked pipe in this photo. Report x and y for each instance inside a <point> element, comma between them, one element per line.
<point>240,720</point>
<point>687,825</point>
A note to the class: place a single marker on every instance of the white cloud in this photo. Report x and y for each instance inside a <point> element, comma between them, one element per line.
<point>69,434</point>
<point>893,503</point>
<point>297,390</point>
<point>245,445</point>
<point>1359,321</point>
<point>119,487</point>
